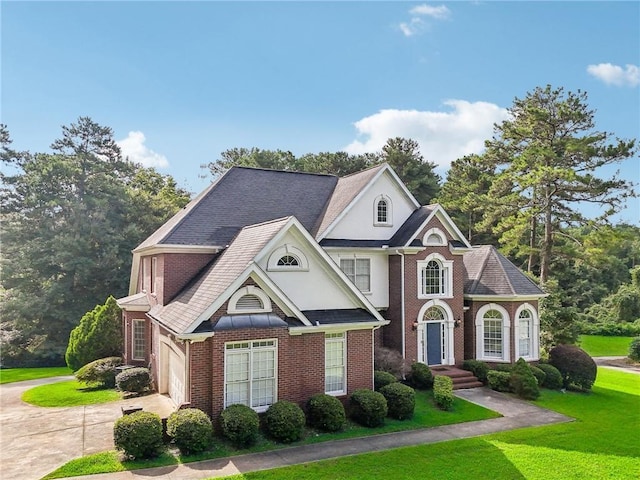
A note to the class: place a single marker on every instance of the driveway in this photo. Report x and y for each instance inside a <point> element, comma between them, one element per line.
<point>36,440</point>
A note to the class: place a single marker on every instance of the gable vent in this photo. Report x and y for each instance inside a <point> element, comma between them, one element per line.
<point>249,302</point>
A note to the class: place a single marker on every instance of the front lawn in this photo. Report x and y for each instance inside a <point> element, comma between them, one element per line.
<point>68,394</point>
<point>11,375</point>
<point>601,444</point>
<point>602,346</point>
<point>426,415</point>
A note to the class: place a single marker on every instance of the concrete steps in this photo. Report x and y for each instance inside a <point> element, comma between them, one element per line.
<point>461,378</point>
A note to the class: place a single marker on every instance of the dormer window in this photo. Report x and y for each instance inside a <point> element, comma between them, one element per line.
<point>249,299</point>
<point>382,211</point>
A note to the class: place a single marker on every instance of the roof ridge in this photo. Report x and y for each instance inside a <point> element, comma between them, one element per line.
<point>499,257</point>
<point>297,172</point>
<point>379,165</point>
<point>266,222</point>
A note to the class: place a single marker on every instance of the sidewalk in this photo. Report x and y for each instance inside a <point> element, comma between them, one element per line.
<point>516,414</point>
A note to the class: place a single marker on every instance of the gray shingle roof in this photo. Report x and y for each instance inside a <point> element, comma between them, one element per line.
<point>197,297</point>
<point>337,316</point>
<point>488,272</point>
<point>409,227</point>
<point>246,196</point>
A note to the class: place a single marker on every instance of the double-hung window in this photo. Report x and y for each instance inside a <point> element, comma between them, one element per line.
<point>435,277</point>
<point>138,343</point>
<point>525,323</point>
<point>492,334</point>
<point>335,363</point>
<point>359,272</point>
<point>251,373</point>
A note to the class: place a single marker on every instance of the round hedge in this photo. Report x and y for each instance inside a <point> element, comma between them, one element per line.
<point>139,435</point>
<point>634,349</point>
<point>479,368</point>
<point>577,368</point>
<point>240,424</point>
<point>539,374</point>
<point>284,421</point>
<point>382,379</point>
<point>421,376</point>
<point>401,400</point>
<point>136,380</point>
<point>190,429</point>
<point>368,408</point>
<point>553,377</point>
<point>325,413</point>
<point>100,372</point>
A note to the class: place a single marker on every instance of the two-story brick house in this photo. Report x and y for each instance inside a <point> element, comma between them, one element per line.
<point>279,285</point>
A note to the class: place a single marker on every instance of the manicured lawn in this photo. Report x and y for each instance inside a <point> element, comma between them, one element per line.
<point>426,415</point>
<point>601,444</point>
<point>68,394</point>
<point>601,346</point>
<point>10,375</point>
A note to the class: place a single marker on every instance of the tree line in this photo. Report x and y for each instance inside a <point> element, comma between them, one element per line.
<point>70,218</point>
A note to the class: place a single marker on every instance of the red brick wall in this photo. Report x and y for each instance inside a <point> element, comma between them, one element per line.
<point>392,333</point>
<point>127,325</point>
<point>177,270</point>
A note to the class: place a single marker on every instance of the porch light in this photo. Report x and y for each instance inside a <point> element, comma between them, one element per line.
<point>415,325</point>
<point>458,322</point>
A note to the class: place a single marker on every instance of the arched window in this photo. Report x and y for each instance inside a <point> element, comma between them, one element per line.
<point>524,335</point>
<point>287,257</point>
<point>434,277</point>
<point>249,302</point>
<point>288,261</point>
<point>433,314</point>
<point>434,237</point>
<point>249,299</point>
<point>382,211</point>
<point>492,334</point>
<point>527,333</point>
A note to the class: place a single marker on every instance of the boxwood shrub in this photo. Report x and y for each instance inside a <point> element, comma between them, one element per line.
<point>284,421</point>
<point>139,435</point>
<point>539,374</point>
<point>443,391</point>
<point>401,400</point>
<point>499,381</point>
<point>136,380</point>
<point>552,378</point>
<point>368,408</point>
<point>634,349</point>
<point>421,376</point>
<point>478,368</point>
<point>100,372</point>
<point>240,424</point>
<point>326,413</point>
<point>190,429</point>
<point>382,379</point>
<point>577,368</point>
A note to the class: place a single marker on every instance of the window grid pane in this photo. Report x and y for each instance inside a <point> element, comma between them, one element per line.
<point>492,338</point>
<point>524,342</point>
<point>382,211</point>
<point>138,339</point>
<point>250,369</point>
<point>358,270</point>
<point>335,363</point>
<point>288,261</point>
<point>432,279</point>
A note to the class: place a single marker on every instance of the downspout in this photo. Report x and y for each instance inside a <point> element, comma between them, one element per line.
<point>402,316</point>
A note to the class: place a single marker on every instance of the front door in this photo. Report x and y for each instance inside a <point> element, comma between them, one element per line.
<point>434,343</point>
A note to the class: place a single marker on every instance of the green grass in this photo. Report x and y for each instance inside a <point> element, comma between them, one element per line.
<point>601,444</point>
<point>11,375</point>
<point>68,394</point>
<point>426,415</point>
<point>601,346</point>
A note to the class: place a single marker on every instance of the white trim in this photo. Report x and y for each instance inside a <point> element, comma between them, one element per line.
<point>277,254</point>
<point>389,222</point>
<point>153,288</point>
<point>354,257</point>
<point>447,271</point>
<point>337,327</point>
<point>449,325</point>
<point>506,333</point>
<point>446,221</point>
<point>534,341</point>
<point>504,298</point>
<point>249,290</point>
<point>437,232</point>
<point>343,341</point>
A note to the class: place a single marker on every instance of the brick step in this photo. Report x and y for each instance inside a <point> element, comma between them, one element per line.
<point>461,378</point>
<point>470,384</point>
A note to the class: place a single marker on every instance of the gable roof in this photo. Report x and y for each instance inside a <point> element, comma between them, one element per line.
<point>214,218</point>
<point>407,233</point>
<point>488,272</point>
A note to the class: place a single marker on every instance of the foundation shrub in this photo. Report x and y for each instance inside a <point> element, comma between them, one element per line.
<point>100,372</point>
<point>552,378</point>
<point>478,368</point>
<point>190,429</point>
<point>502,367</point>
<point>421,377</point>
<point>240,425</point>
<point>136,380</point>
<point>577,368</point>
<point>326,413</point>
<point>401,400</point>
<point>443,391</point>
<point>139,435</point>
<point>389,360</point>
<point>368,408</point>
<point>539,374</point>
<point>498,381</point>
<point>634,349</point>
<point>382,379</point>
<point>284,421</point>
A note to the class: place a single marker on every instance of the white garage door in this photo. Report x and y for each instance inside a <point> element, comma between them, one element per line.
<point>176,378</point>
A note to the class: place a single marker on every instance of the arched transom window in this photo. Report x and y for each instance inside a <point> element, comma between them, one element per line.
<point>434,277</point>
<point>288,261</point>
<point>382,211</point>
<point>525,334</point>
<point>493,338</point>
<point>433,314</point>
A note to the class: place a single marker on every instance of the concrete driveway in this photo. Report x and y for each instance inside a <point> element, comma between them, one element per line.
<point>36,440</point>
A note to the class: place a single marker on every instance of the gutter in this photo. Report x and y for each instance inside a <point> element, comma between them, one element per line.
<point>402,315</point>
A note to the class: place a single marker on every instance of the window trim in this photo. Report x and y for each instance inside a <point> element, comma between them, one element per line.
<point>250,349</point>
<point>154,273</point>
<point>284,250</point>
<point>249,290</point>
<point>332,337</point>
<point>506,334</point>
<point>439,233</point>
<point>534,331</point>
<point>447,272</point>
<point>355,259</point>
<point>134,323</point>
<point>389,213</point>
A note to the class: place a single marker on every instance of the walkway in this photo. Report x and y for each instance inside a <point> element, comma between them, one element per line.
<point>516,414</point>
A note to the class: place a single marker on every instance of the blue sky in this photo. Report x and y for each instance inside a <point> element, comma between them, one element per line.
<point>180,82</point>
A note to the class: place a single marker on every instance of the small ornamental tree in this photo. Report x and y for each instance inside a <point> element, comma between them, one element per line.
<point>99,335</point>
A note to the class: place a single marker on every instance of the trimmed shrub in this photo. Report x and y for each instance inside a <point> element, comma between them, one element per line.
<point>502,367</point>
<point>382,379</point>
<point>368,408</point>
<point>326,413</point>
<point>139,435</point>
<point>522,381</point>
<point>240,424</point>
<point>499,381</point>
<point>100,372</point>
<point>611,329</point>
<point>136,380</point>
<point>389,360</point>
<point>478,368</point>
<point>577,368</point>
<point>539,374</point>
<point>553,377</point>
<point>190,429</point>
<point>443,391</point>
<point>634,349</point>
<point>401,400</point>
<point>284,421</point>
<point>421,376</point>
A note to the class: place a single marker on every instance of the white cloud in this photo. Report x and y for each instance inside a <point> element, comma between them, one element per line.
<point>417,25</point>
<point>615,74</point>
<point>443,136</point>
<point>133,147</point>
